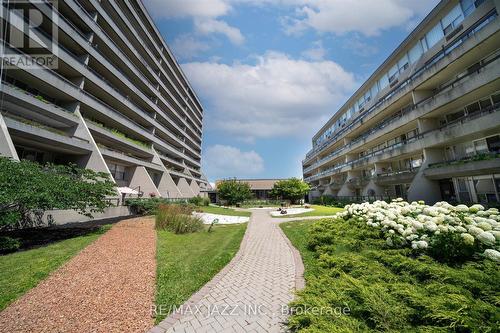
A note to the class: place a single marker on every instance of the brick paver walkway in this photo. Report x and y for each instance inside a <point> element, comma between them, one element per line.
<point>251,293</point>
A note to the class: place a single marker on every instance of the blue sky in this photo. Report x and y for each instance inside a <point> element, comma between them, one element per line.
<point>269,73</point>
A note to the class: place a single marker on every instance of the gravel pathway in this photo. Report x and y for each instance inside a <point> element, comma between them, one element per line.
<point>108,287</point>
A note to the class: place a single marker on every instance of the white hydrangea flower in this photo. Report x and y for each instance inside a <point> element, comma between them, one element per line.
<point>468,238</point>
<point>492,255</point>
<point>496,233</point>
<point>486,238</point>
<point>484,225</point>
<point>475,231</point>
<point>462,208</point>
<point>476,208</point>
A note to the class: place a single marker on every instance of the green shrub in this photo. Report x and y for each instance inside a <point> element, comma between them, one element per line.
<point>451,248</point>
<point>389,290</point>
<point>326,200</point>
<point>292,189</point>
<point>148,206</point>
<point>28,189</point>
<point>234,192</point>
<point>143,206</point>
<point>8,244</point>
<point>199,201</point>
<point>177,219</point>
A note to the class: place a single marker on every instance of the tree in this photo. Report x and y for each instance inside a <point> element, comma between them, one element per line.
<point>233,191</point>
<point>28,189</point>
<point>292,189</point>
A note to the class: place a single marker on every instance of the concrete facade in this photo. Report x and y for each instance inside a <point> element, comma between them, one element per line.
<point>426,124</point>
<point>117,101</point>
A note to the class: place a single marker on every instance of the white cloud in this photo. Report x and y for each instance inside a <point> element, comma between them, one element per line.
<point>226,161</point>
<point>342,16</point>
<point>316,53</point>
<point>187,8</point>
<point>276,97</point>
<point>208,26</point>
<point>187,46</point>
<point>203,12</point>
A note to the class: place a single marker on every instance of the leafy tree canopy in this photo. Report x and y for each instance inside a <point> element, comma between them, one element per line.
<point>28,189</point>
<point>233,191</point>
<point>292,189</point>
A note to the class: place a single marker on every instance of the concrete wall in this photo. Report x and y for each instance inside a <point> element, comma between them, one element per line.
<point>71,216</point>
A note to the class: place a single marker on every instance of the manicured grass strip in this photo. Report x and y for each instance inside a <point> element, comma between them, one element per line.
<point>21,271</point>
<point>223,211</point>
<point>386,289</point>
<point>318,211</point>
<point>187,262</point>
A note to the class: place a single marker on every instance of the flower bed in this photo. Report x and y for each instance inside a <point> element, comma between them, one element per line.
<point>447,232</point>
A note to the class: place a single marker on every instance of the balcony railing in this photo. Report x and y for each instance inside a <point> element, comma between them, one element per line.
<point>121,55</point>
<point>399,115</point>
<point>479,25</point>
<point>467,159</point>
<point>362,160</point>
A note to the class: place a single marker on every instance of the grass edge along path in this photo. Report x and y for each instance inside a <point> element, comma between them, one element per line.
<point>318,211</point>
<point>23,270</point>
<point>185,263</point>
<point>223,211</point>
<point>387,289</point>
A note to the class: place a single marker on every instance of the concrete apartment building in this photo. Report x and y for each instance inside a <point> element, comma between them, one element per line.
<point>426,124</point>
<point>116,102</point>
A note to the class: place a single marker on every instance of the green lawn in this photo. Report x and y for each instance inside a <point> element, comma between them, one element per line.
<point>318,211</point>
<point>383,289</point>
<point>187,262</point>
<point>21,271</point>
<point>223,211</point>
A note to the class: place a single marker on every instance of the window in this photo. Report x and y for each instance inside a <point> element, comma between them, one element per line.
<point>481,146</point>
<point>383,82</point>
<point>393,73</point>
<point>454,116</point>
<point>415,53</point>
<point>463,190</point>
<point>485,189</point>
<point>403,63</point>
<point>368,96</point>
<point>472,108</point>
<point>434,35</point>
<point>493,143</point>
<point>452,19</point>
<point>467,6</point>
<point>495,98</point>
<point>117,171</point>
<point>485,103</point>
<point>374,90</point>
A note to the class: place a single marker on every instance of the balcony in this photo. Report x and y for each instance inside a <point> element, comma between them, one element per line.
<point>45,137</point>
<point>485,121</point>
<point>396,177</point>
<point>486,73</point>
<point>70,29</point>
<point>337,184</point>
<point>358,182</point>
<point>470,166</point>
<point>430,65</point>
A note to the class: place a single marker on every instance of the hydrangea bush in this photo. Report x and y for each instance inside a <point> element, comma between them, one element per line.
<point>446,231</point>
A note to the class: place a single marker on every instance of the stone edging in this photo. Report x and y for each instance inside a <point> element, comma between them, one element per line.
<point>169,321</point>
